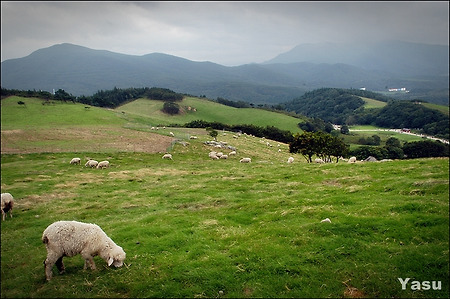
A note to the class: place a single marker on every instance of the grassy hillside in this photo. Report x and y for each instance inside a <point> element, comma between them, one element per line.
<point>196,227</point>
<point>210,111</point>
<point>441,108</point>
<point>371,103</point>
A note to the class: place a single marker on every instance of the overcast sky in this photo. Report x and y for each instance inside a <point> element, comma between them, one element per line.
<point>228,33</point>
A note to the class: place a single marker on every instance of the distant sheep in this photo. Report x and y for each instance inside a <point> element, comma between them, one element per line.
<point>290,160</point>
<point>171,134</point>
<point>245,160</point>
<point>318,160</point>
<point>69,238</point>
<point>103,164</point>
<point>167,156</point>
<point>75,161</point>
<point>91,163</point>
<point>213,155</point>
<point>232,153</point>
<point>7,205</point>
<point>326,220</point>
<point>352,160</point>
<point>224,157</point>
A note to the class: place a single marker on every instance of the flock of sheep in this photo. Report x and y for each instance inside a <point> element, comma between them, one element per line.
<point>91,163</point>
<point>69,238</point>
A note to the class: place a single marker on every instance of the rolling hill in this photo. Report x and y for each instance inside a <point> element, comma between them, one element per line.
<point>83,71</point>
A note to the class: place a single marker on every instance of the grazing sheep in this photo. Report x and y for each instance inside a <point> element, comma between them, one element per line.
<point>224,157</point>
<point>171,134</point>
<point>213,155</point>
<point>232,153</point>
<point>318,160</point>
<point>69,238</point>
<point>352,160</point>
<point>245,160</point>
<point>326,220</point>
<point>219,154</point>
<point>290,160</point>
<point>193,137</point>
<point>75,161</point>
<point>91,163</point>
<point>103,164</point>
<point>167,156</point>
<point>7,204</point>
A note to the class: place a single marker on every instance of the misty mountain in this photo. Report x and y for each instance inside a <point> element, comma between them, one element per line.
<point>82,71</point>
<point>396,57</point>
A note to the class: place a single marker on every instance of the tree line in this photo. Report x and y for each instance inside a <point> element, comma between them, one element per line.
<point>103,98</point>
<point>326,146</point>
<point>269,132</point>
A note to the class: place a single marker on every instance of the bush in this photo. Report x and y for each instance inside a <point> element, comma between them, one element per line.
<point>365,151</point>
<point>425,148</point>
<point>171,108</point>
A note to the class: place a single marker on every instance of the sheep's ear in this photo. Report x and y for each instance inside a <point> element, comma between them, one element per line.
<point>110,261</point>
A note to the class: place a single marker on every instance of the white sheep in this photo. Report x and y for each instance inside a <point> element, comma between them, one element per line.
<point>213,155</point>
<point>224,157</point>
<point>245,160</point>
<point>352,160</point>
<point>103,164</point>
<point>171,134</point>
<point>167,156</point>
<point>7,205</point>
<point>232,153</point>
<point>75,161</point>
<point>318,160</point>
<point>326,220</point>
<point>91,163</point>
<point>290,160</point>
<point>69,238</point>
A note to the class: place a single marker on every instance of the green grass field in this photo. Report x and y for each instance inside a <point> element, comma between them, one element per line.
<point>371,103</point>
<point>209,111</point>
<point>196,227</point>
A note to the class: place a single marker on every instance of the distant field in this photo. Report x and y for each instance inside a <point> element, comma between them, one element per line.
<point>209,111</point>
<point>441,108</point>
<point>371,103</point>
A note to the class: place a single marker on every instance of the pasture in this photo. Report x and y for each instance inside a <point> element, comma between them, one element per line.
<point>197,227</point>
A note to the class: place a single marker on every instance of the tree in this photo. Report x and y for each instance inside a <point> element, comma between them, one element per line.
<point>213,133</point>
<point>171,108</point>
<point>392,141</point>
<point>320,144</point>
<point>345,130</point>
<point>425,148</point>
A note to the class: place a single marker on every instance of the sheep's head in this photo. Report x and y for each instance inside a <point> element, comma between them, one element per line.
<point>117,256</point>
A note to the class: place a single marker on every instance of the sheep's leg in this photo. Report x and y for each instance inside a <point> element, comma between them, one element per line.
<point>88,260</point>
<point>49,263</point>
<point>3,215</point>
<point>60,265</point>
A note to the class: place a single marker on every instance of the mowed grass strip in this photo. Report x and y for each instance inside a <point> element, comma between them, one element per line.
<point>194,227</point>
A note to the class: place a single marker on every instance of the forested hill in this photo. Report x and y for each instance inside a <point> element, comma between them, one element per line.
<point>346,107</point>
<point>333,105</point>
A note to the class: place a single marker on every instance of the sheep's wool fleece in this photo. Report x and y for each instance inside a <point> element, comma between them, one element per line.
<point>71,237</point>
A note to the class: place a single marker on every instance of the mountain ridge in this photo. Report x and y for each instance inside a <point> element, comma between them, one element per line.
<point>83,71</point>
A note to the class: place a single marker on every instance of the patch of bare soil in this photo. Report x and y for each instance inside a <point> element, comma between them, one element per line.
<point>82,140</point>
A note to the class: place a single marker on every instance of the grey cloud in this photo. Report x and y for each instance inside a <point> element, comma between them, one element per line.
<point>229,33</point>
